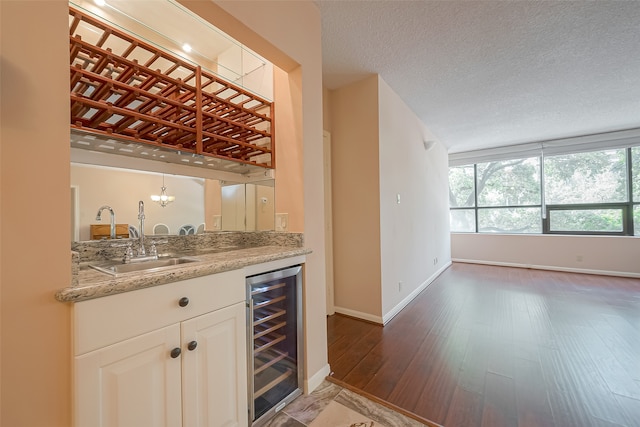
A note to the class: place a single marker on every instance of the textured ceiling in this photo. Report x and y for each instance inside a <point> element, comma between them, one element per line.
<point>492,73</point>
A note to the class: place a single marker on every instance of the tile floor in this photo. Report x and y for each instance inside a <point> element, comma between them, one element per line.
<point>333,406</point>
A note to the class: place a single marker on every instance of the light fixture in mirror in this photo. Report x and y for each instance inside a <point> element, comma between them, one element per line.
<point>163,199</point>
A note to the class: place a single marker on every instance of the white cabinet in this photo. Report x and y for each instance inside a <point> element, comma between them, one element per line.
<point>132,383</point>
<point>220,353</point>
<point>172,355</point>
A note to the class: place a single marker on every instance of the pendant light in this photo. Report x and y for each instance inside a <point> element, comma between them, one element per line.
<point>163,200</point>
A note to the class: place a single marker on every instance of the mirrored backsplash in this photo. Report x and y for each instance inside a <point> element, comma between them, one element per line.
<point>198,204</point>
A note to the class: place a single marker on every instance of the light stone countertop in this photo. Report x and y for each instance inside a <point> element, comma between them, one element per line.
<point>94,284</point>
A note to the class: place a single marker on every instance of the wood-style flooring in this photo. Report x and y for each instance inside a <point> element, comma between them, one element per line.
<point>496,346</point>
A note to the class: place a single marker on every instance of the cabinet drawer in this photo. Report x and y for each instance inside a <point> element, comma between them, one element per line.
<point>105,321</point>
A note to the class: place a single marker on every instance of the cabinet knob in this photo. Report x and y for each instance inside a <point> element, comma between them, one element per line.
<point>192,345</point>
<point>184,301</point>
<point>175,352</point>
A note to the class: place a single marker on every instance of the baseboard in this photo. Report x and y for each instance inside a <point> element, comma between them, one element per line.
<point>402,304</point>
<point>359,315</point>
<point>550,268</point>
<point>317,378</point>
<point>383,320</point>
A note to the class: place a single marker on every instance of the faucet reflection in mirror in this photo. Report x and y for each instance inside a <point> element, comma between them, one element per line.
<point>163,200</point>
<point>112,229</point>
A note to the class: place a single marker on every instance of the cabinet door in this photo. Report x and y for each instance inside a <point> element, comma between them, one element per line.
<point>215,371</point>
<point>132,383</point>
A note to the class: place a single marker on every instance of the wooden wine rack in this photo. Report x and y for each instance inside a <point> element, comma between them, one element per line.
<point>125,88</point>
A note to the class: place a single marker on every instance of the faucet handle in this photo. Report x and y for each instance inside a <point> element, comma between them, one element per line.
<point>128,252</point>
<point>153,251</point>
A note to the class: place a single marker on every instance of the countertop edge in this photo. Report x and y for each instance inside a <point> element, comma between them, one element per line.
<point>117,285</point>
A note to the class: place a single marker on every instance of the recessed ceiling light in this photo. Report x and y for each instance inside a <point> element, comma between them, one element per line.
<point>186,47</point>
<point>100,2</point>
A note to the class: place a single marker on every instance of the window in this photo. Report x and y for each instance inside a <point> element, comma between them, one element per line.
<point>509,183</point>
<point>462,193</point>
<point>591,192</point>
<point>508,197</point>
<point>587,220</point>
<point>593,177</point>
<point>462,190</point>
<point>509,220</point>
<point>463,220</point>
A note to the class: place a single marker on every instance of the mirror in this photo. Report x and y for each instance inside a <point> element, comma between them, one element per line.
<point>248,207</point>
<point>210,204</point>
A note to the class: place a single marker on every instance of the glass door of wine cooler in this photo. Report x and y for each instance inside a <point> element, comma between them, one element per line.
<point>275,341</point>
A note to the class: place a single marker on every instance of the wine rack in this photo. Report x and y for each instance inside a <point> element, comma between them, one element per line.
<point>125,88</point>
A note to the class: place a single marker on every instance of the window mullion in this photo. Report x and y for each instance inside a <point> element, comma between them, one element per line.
<point>629,209</point>
<point>475,193</point>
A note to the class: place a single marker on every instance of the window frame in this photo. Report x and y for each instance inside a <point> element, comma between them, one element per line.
<point>627,208</point>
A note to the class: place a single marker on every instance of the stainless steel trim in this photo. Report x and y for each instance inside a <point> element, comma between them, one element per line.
<point>289,272</point>
<point>250,356</point>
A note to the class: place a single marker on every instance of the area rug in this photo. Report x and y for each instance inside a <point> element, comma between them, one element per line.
<point>337,415</point>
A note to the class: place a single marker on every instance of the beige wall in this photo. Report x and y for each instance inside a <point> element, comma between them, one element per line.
<point>288,34</point>
<point>326,109</point>
<point>589,254</point>
<point>356,199</point>
<point>289,154</point>
<point>414,234</point>
<point>36,343</point>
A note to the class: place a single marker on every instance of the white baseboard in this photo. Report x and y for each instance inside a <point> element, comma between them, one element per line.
<point>317,378</point>
<point>550,267</point>
<point>402,304</point>
<point>395,310</point>
<point>359,315</point>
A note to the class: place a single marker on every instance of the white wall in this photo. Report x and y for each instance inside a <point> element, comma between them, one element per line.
<point>588,254</point>
<point>414,234</point>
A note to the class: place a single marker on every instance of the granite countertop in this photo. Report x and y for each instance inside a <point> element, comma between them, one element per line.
<point>94,284</point>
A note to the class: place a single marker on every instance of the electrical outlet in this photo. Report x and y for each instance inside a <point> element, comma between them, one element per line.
<point>282,220</point>
<point>579,258</point>
<point>399,286</point>
<point>217,222</point>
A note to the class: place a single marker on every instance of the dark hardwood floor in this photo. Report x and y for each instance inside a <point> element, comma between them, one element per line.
<point>497,346</point>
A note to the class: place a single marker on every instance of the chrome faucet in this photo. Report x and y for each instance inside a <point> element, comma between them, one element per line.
<point>140,254</point>
<point>141,251</point>
<point>113,219</point>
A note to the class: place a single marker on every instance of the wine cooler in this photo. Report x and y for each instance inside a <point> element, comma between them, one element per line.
<point>275,341</point>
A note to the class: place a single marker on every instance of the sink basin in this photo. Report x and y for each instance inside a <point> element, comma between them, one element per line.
<point>115,267</point>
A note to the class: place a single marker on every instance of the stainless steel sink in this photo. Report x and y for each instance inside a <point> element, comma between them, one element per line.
<point>115,268</point>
